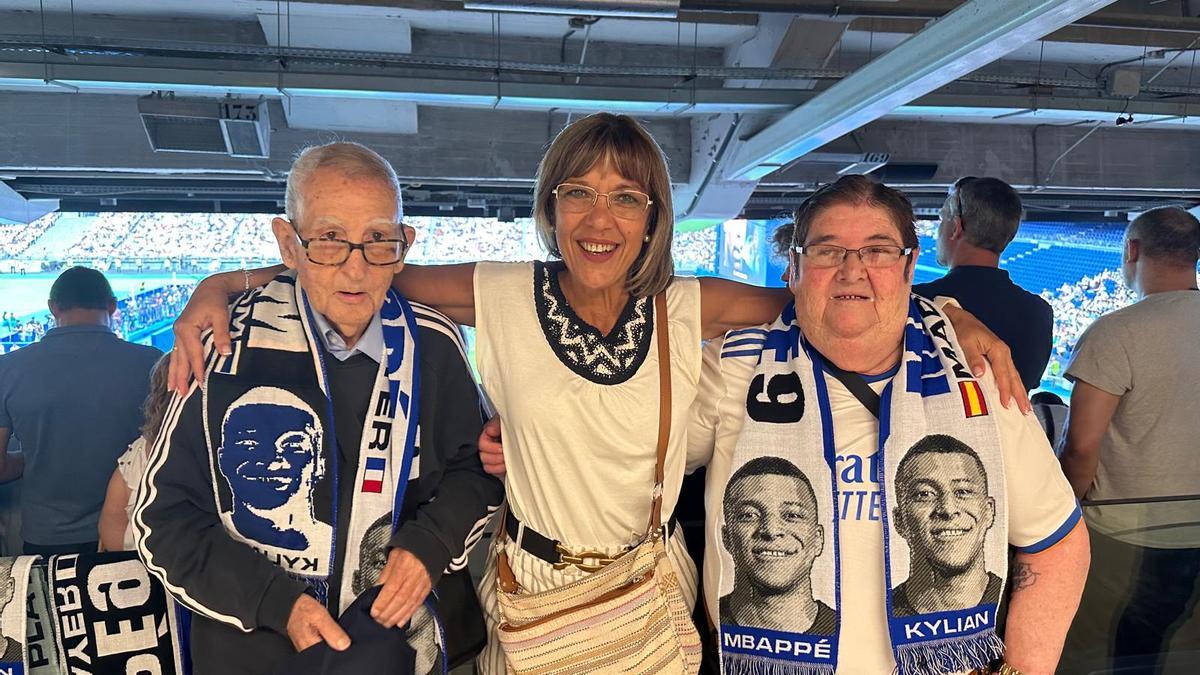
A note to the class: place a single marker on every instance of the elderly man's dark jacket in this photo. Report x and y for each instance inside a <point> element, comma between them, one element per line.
<point>443,514</point>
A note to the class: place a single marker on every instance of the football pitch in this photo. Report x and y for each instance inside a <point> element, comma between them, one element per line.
<point>27,293</point>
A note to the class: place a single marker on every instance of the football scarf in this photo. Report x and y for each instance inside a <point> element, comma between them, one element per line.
<point>268,420</point>
<point>941,478</point>
<point>110,617</point>
<point>40,647</point>
<point>14,585</point>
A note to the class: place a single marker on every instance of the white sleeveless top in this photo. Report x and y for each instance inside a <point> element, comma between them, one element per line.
<point>580,410</point>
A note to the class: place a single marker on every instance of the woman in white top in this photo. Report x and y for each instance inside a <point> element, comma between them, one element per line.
<point>564,351</point>
<point>116,534</point>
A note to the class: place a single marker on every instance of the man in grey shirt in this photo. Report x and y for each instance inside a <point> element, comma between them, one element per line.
<point>1132,428</point>
<point>74,400</point>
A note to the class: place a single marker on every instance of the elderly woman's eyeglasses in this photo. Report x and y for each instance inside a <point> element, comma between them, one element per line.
<point>828,255</point>
<point>628,204</point>
<point>333,251</point>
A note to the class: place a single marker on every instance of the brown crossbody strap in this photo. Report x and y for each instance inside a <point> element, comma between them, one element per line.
<point>664,406</point>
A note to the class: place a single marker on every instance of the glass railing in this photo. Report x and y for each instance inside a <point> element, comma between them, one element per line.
<point>1138,613</point>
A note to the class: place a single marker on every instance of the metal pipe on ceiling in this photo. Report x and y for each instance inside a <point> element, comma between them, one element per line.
<point>79,50</point>
<point>917,9</point>
<point>642,9</point>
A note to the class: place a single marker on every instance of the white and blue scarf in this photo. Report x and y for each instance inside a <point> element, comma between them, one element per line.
<point>268,420</point>
<point>942,492</point>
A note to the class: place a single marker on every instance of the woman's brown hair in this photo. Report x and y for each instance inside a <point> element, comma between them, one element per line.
<point>154,408</point>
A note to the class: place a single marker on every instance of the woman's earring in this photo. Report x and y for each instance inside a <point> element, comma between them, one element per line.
<point>646,238</point>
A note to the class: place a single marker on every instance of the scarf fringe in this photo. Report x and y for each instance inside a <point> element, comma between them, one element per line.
<point>949,655</point>
<point>747,664</point>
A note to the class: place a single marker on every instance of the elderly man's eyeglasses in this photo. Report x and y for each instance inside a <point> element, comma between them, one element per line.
<point>333,251</point>
<point>629,204</point>
<point>828,255</point>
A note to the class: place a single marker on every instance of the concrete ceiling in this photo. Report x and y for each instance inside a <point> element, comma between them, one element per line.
<point>464,102</point>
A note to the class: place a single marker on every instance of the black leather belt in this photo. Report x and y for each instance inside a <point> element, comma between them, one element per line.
<point>554,552</point>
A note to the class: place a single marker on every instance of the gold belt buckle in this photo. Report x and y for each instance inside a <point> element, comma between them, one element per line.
<point>588,561</point>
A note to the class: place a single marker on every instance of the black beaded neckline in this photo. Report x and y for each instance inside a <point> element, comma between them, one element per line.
<point>603,359</point>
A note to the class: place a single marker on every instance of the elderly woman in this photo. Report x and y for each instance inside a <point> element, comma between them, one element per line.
<point>886,490</point>
<point>564,351</point>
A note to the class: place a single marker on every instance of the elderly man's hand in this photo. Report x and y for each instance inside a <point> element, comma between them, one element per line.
<point>981,347</point>
<point>310,623</point>
<point>491,449</point>
<point>406,584</point>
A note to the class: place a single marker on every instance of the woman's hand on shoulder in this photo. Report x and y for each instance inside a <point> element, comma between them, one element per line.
<point>982,347</point>
<point>207,308</point>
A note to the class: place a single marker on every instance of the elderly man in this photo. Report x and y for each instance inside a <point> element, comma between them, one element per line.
<point>1131,433</point>
<point>854,384</point>
<point>341,407</point>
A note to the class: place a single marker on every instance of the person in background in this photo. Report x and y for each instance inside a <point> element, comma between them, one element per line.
<point>1131,430</point>
<point>116,532</point>
<point>74,399</point>
<point>979,219</point>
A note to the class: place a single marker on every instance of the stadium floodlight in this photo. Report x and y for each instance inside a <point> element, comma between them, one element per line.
<point>234,127</point>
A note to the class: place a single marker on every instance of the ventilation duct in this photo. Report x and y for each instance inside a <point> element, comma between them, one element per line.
<point>654,9</point>
<point>213,126</point>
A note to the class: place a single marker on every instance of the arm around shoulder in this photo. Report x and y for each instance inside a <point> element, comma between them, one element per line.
<point>448,288</point>
<point>727,305</point>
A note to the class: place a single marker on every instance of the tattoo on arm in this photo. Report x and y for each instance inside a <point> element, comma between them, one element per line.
<point>1023,576</point>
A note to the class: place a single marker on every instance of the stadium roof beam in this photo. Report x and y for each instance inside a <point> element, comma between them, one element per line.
<point>17,208</point>
<point>780,43</point>
<point>972,36</point>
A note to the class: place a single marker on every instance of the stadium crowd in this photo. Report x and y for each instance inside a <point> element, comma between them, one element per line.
<point>207,242</point>
<point>1076,306</point>
<point>134,314</point>
<point>16,238</point>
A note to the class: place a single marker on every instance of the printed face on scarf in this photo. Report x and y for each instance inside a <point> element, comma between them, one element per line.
<point>771,531</point>
<point>852,301</point>
<point>943,510</point>
<point>354,209</point>
<point>269,453</point>
<point>373,554</point>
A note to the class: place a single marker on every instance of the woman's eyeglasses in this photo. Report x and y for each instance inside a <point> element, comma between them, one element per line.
<point>628,204</point>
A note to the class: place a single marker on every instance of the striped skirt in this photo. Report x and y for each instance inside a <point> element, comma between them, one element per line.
<point>536,575</point>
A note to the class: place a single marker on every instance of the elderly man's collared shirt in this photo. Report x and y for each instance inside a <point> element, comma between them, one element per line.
<point>370,344</point>
<point>1041,504</point>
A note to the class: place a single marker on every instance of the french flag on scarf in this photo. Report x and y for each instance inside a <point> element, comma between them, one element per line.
<point>373,474</point>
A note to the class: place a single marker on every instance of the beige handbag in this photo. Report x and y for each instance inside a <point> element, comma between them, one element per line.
<point>627,617</point>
